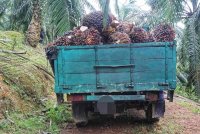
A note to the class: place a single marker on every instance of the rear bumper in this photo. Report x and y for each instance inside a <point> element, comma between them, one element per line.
<point>148,96</point>
<point>116,97</point>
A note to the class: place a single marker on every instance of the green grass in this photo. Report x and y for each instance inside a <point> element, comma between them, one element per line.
<point>28,76</point>
<point>27,125</point>
<point>192,108</point>
<point>32,123</point>
<point>60,114</point>
<point>188,93</point>
<point>28,85</point>
<point>166,127</point>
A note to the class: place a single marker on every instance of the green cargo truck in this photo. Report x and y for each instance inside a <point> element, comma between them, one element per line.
<point>109,79</point>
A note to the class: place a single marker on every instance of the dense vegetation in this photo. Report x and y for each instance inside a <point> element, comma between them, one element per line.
<point>55,17</point>
<point>188,38</point>
<point>25,74</point>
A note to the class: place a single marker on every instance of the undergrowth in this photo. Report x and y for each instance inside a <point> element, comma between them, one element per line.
<point>188,93</point>
<point>26,88</point>
<point>25,72</point>
<point>161,127</point>
<point>191,107</point>
<point>60,114</point>
<point>36,122</point>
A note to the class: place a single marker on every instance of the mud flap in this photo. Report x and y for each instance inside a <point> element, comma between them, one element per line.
<point>158,109</point>
<point>79,114</point>
<point>106,105</point>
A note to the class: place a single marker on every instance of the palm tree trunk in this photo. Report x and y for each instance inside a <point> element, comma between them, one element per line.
<point>33,33</point>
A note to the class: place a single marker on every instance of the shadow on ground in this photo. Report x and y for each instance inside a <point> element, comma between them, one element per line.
<point>133,123</point>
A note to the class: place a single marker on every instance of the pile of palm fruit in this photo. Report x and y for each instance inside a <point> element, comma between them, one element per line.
<point>94,32</point>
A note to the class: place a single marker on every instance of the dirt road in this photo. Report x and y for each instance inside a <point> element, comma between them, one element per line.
<point>181,117</point>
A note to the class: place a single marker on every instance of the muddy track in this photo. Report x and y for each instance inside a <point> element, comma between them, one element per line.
<point>181,117</point>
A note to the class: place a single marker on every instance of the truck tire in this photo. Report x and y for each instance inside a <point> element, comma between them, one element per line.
<point>80,114</point>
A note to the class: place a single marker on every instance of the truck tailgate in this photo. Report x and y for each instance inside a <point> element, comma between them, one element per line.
<point>116,68</point>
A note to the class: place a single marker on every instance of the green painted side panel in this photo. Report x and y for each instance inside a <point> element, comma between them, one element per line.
<point>78,67</point>
<point>149,76</point>
<point>150,53</point>
<point>79,79</point>
<point>78,55</point>
<point>113,54</point>
<point>149,65</point>
<point>110,68</point>
<point>113,78</point>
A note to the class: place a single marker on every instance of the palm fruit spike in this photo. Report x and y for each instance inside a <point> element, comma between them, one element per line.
<point>164,33</point>
<point>93,37</point>
<point>112,17</point>
<point>68,33</point>
<point>114,24</point>
<point>119,38</point>
<point>79,36</point>
<point>63,41</point>
<point>138,35</point>
<point>150,37</point>
<point>95,19</point>
<point>124,27</point>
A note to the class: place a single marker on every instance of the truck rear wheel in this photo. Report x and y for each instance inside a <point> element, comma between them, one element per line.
<point>80,114</point>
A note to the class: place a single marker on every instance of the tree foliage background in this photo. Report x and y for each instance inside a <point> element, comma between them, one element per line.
<point>58,16</point>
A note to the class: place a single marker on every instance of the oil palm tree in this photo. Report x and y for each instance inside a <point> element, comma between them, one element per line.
<point>187,11</point>
<point>59,15</point>
<point>4,19</point>
<point>34,28</point>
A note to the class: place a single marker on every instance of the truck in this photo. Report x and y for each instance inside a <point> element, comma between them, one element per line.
<point>110,79</point>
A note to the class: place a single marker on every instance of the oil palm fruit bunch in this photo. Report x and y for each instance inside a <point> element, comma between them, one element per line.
<point>106,34</point>
<point>150,37</point>
<point>164,33</point>
<point>51,44</point>
<point>124,27</point>
<point>79,35</point>
<point>68,33</point>
<point>119,38</point>
<point>114,24</point>
<point>63,41</point>
<point>112,17</point>
<point>138,35</point>
<point>95,19</point>
<point>92,37</point>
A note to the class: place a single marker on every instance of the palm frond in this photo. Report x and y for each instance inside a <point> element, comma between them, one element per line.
<point>117,9</point>
<point>3,5</point>
<point>167,10</point>
<point>66,14</point>
<point>88,5</point>
<point>193,51</point>
<point>60,15</point>
<point>21,14</point>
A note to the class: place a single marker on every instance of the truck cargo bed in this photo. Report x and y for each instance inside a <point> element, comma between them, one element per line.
<point>115,68</point>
